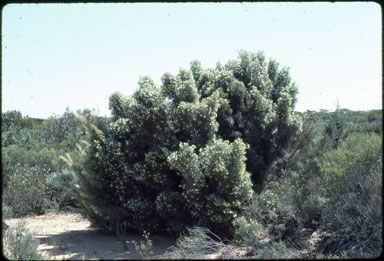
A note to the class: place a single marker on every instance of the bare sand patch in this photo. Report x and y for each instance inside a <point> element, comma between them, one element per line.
<point>69,236</point>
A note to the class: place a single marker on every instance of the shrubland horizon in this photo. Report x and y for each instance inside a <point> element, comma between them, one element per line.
<point>94,110</point>
<point>77,55</point>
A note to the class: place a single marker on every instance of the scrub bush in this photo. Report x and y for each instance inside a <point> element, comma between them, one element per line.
<point>351,184</point>
<point>26,190</point>
<point>275,250</point>
<point>215,183</point>
<point>197,243</point>
<point>339,192</point>
<point>58,187</point>
<point>189,152</point>
<point>18,244</point>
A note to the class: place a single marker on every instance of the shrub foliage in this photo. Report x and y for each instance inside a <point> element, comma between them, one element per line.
<point>191,151</point>
<point>26,190</point>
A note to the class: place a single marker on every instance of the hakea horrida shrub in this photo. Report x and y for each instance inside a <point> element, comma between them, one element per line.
<point>188,152</point>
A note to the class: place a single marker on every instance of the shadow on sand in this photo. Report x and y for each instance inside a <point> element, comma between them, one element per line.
<point>93,244</point>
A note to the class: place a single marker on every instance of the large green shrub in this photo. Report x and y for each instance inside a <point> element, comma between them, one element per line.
<point>189,151</point>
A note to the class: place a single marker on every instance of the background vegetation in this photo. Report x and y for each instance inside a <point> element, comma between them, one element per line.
<point>221,150</point>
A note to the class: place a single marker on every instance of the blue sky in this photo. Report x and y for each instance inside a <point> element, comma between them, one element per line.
<point>77,55</point>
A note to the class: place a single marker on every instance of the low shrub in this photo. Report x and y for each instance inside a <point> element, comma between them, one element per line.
<point>272,208</point>
<point>196,244</point>
<point>26,190</point>
<point>144,248</point>
<point>305,198</point>
<point>7,212</point>
<point>44,157</point>
<point>59,186</point>
<point>339,192</point>
<point>18,243</point>
<point>275,250</point>
<point>247,230</point>
<point>351,184</point>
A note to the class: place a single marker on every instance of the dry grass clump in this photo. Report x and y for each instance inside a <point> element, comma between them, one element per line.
<point>199,243</point>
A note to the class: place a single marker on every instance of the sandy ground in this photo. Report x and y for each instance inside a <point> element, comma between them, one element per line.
<point>69,236</point>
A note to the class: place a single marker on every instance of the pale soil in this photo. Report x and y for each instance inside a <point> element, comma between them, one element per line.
<point>69,236</point>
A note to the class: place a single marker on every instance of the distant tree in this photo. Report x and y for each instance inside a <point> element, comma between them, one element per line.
<point>15,120</point>
<point>372,122</point>
<point>337,128</point>
<point>59,128</point>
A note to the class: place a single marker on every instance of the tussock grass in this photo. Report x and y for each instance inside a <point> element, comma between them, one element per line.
<point>198,243</point>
